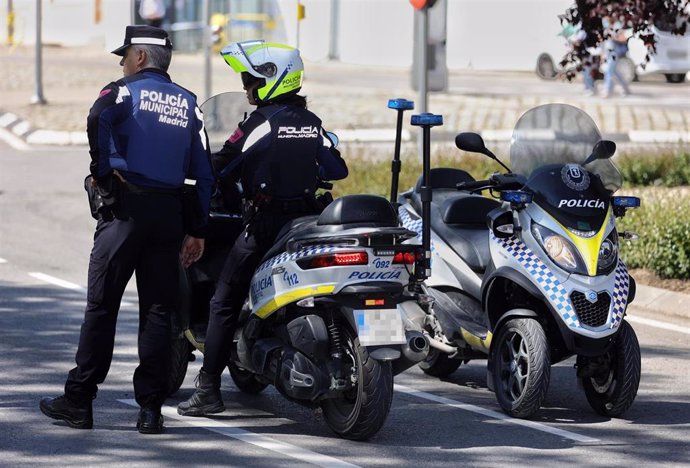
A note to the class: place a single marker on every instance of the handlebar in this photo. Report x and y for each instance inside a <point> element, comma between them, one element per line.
<point>497,181</point>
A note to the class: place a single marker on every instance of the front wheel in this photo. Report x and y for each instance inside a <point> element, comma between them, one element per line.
<point>363,409</point>
<point>521,367</point>
<point>612,393</point>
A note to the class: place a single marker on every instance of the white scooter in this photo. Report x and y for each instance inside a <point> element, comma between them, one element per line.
<point>534,278</point>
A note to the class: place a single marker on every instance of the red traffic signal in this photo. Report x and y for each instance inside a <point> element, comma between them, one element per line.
<point>422,4</point>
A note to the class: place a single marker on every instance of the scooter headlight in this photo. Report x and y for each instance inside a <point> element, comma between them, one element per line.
<point>608,254</point>
<point>559,249</point>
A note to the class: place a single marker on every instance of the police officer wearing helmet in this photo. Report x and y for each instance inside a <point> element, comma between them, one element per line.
<point>279,153</point>
<point>146,136</point>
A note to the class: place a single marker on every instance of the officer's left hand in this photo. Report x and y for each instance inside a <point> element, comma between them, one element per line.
<point>192,250</point>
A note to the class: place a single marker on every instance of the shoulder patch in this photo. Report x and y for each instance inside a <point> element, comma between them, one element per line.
<point>236,135</point>
<point>104,92</point>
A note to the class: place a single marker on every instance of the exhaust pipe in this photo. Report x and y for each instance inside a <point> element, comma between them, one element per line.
<point>413,351</point>
<point>440,346</point>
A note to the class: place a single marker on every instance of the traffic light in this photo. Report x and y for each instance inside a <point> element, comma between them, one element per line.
<point>422,4</point>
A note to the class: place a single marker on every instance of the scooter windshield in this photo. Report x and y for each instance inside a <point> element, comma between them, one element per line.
<point>559,134</point>
<point>222,113</point>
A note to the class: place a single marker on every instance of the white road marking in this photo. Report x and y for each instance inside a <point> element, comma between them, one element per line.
<point>57,281</point>
<point>228,429</point>
<point>67,285</point>
<point>13,140</point>
<point>494,414</point>
<point>2,260</point>
<point>657,324</point>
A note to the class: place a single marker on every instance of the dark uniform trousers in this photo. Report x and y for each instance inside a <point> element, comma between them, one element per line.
<point>145,236</point>
<point>234,281</point>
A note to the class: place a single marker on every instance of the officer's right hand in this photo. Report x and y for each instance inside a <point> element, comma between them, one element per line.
<point>192,250</point>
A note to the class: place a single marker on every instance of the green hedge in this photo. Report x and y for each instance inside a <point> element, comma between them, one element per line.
<point>663,224</point>
<point>668,170</point>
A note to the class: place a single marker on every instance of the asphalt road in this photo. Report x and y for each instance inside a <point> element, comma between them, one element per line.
<point>45,238</point>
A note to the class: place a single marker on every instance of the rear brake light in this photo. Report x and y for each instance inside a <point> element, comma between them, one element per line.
<point>407,258</point>
<point>374,302</point>
<point>338,259</point>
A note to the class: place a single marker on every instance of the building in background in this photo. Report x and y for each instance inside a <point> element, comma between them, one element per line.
<point>481,34</point>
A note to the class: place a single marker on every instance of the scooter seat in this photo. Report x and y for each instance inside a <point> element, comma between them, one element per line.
<point>460,220</point>
<point>467,210</point>
<point>349,213</point>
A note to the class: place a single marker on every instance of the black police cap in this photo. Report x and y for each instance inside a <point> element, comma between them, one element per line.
<point>143,35</point>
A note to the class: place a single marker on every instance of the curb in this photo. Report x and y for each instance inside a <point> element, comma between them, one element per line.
<point>662,301</point>
<point>25,131</point>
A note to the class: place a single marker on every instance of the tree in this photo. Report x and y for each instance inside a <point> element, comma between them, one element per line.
<point>636,15</point>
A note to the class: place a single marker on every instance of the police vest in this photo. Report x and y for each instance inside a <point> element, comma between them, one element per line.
<point>286,160</point>
<point>153,144</point>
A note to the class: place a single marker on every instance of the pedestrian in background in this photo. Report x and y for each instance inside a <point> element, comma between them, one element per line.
<point>615,48</point>
<point>153,12</point>
<point>146,135</point>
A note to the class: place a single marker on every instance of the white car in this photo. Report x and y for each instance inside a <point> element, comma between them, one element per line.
<point>672,57</point>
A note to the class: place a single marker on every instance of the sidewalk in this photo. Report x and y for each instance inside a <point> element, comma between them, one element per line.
<point>350,99</point>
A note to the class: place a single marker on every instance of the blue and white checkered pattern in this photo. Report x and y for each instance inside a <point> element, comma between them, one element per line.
<point>621,288</point>
<point>409,223</point>
<point>547,281</point>
<point>288,257</point>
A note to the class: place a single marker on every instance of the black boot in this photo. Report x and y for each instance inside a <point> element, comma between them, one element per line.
<point>206,398</point>
<point>150,420</point>
<point>76,414</point>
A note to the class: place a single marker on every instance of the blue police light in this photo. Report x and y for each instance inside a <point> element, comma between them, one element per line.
<point>516,196</point>
<point>400,104</point>
<point>626,202</point>
<point>426,118</point>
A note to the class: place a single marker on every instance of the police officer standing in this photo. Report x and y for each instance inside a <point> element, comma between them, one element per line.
<point>279,153</point>
<point>146,135</point>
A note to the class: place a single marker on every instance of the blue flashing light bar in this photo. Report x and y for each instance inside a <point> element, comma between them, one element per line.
<point>400,104</point>
<point>516,196</point>
<point>626,202</point>
<point>426,118</point>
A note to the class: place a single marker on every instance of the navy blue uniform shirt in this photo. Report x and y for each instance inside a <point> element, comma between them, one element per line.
<point>152,132</point>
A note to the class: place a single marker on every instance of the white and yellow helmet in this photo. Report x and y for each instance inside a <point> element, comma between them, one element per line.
<point>279,66</point>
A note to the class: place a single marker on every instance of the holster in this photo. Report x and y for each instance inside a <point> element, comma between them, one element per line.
<point>104,197</point>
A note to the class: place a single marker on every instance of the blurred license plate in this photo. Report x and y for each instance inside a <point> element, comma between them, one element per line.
<point>379,327</point>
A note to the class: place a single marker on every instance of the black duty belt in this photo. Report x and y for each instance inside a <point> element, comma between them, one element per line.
<point>140,190</point>
<point>286,206</point>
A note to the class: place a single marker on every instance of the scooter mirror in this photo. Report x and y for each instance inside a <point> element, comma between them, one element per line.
<point>334,139</point>
<point>501,223</point>
<point>604,149</point>
<point>472,142</point>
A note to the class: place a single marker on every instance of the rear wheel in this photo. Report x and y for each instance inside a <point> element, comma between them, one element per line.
<point>362,410</point>
<point>521,367</point>
<point>246,381</point>
<point>675,77</point>
<point>438,364</point>
<point>546,69</point>
<point>613,392</point>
